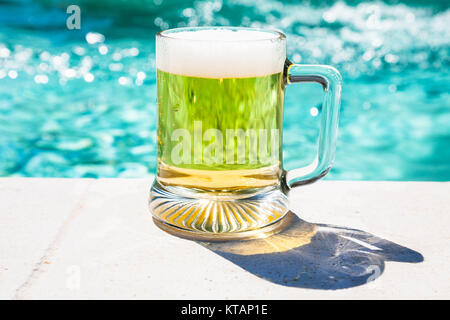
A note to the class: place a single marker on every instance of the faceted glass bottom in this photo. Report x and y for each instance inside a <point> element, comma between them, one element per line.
<point>219,215</point>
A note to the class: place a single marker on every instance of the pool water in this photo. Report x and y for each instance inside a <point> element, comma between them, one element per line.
<point>82,103</point>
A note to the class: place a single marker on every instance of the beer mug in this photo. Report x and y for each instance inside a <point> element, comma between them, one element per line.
<point>219,136</point>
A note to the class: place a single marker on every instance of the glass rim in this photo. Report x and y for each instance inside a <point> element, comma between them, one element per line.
<point>167,33</point>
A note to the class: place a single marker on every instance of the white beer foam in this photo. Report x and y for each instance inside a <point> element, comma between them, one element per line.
<point>221,53</point>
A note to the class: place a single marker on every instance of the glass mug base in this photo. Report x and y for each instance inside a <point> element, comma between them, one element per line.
<point>202,215</point>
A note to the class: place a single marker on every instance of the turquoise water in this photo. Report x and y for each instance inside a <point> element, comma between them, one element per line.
<point>83,103</point>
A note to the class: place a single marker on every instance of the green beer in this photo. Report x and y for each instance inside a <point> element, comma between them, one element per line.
<point>226,124</point>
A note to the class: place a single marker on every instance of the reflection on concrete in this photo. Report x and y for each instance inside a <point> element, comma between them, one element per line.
<point>318,256</point>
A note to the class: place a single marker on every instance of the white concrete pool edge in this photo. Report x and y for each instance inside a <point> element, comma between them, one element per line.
<point>87,238</point>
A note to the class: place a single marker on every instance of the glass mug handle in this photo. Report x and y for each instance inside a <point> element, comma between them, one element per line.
<point>331,81</point>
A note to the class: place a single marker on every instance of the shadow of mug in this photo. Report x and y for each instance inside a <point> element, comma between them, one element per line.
<point>316,256</point>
